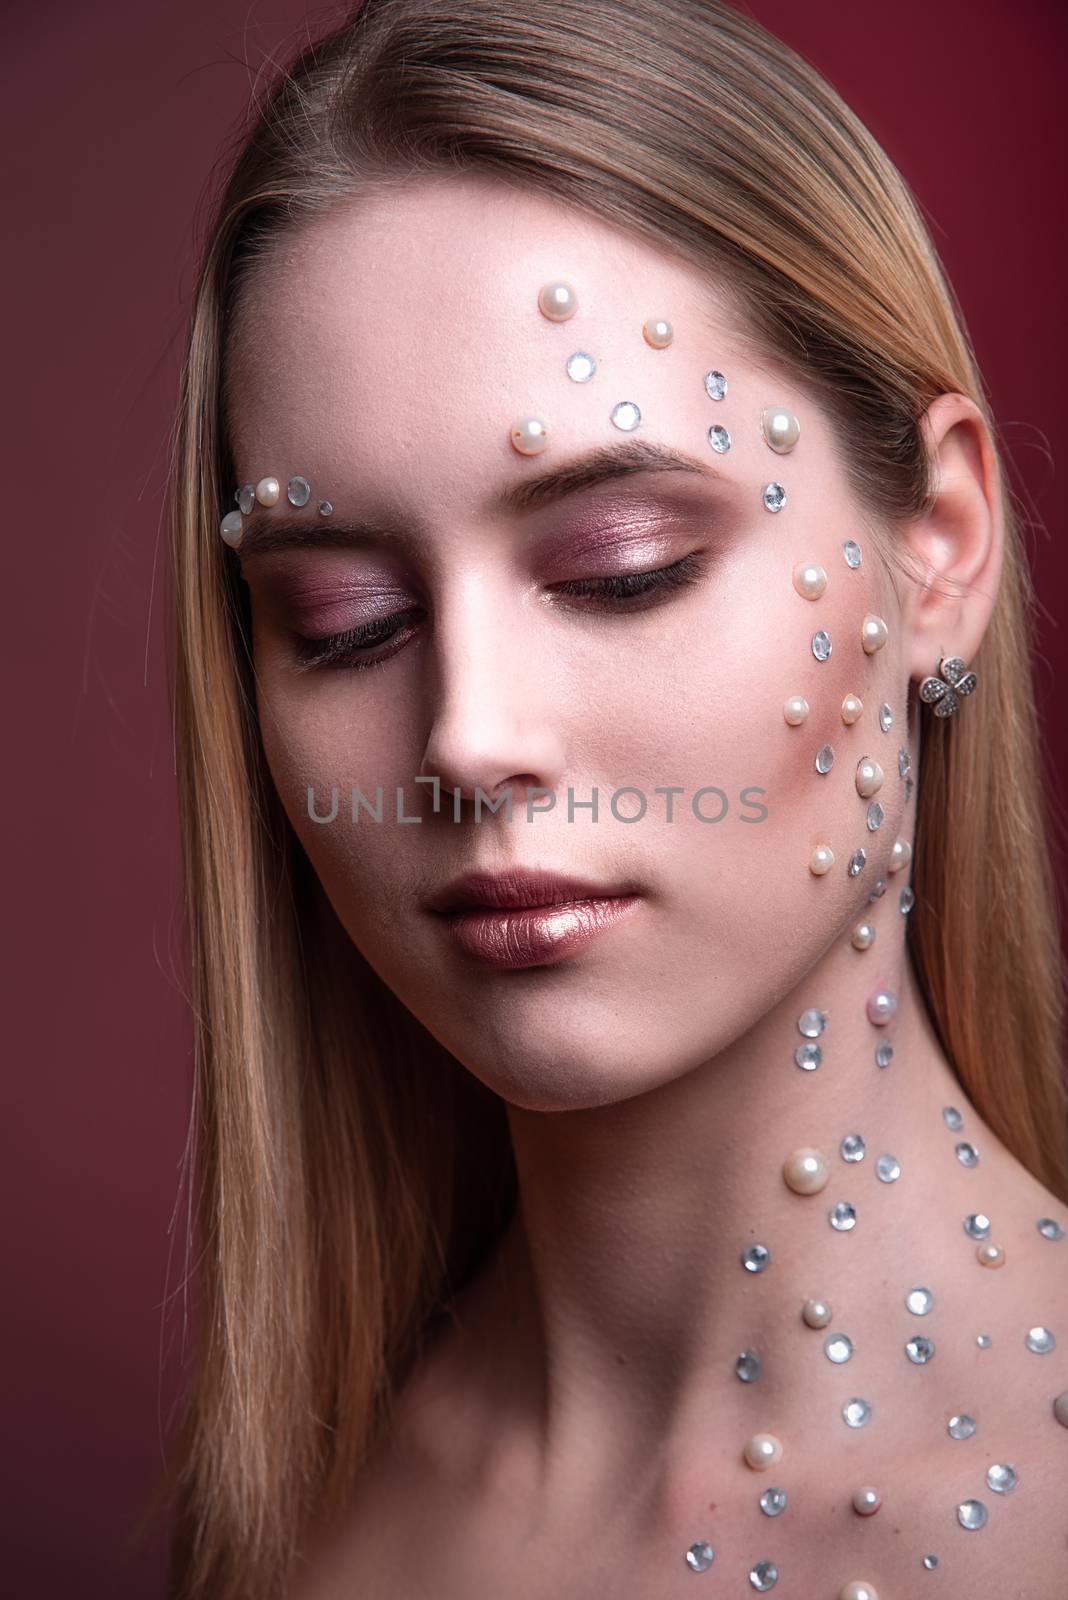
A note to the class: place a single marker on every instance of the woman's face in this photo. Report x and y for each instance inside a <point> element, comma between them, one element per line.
<point>386,354</point>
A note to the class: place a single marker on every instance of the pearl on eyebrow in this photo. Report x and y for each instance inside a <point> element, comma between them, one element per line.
<point>529,435</point>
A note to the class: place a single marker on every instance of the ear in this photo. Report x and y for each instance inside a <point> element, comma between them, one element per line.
<point>956,547</point>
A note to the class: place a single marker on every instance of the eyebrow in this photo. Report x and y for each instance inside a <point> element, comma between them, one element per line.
<point>264,531</point>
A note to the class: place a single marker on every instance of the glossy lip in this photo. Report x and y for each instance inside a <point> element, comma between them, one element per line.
<point>521,888</point>
<point>537,936</point>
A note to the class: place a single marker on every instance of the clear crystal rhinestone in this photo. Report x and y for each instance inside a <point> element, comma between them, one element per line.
<point>904,763</point>
<point>856,1413</point>
<point>879,890</point>
<point>919,1301</point>
<point>764,1576</point>
<point>298,491</point>
<point>971,1514</point>
<point>719,438</point>
<point>581,367</point>
<point>886,717</point>
<point>1041,1340</point>
<point>920,1350</point>
<point>821,645</point>
<point>966,1153</point>
<point>1001,1477</point>
<point>930,1562</point>
<point>812,1023</point>
<point>907,899</point>
<point>856,861</point>
<point>843,1216</point>
<point>824,758</point>
<point>774,496</point>
<point>884,1054</point>
<point>952,1119</point>
<point>1049,1228</point>
<point>983,1340</point>
<point>838,1347</point>
<point>625,415</point>
<point>852,1147</point>
<point>773,1501</point>
<point>961,1426</point>
<point>756,1258</point>
<point>246,497</point>
<point>876,816</point>
<point>977,1225</point>
<point>808,1056</point>
<point>748,1366</point>
<point>700,1556</point>
<point>851,551</point>
<point>888,1169</point>
<point>715,385</point>
<point>325,508</point>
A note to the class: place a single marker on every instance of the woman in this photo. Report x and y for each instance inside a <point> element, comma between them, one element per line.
<point>585,498</point>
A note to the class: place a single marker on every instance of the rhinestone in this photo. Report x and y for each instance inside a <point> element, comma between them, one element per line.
<point>1040,1340</point>
<point>851,551</point>
<point>904,764</point>
<point>230,529</point>
<point>824,758</point>
<point>888,1169</point>
<point>325,508</point>
<point>1050,1228</point>
<point>843,1216</point>
<point>961,1426</point>
<point>906,899</point>
<point>852,1147</point>
<point>773,1501</point>
<point>1060,1408</point>
<point>856,1413</point>
<point>952,1119</point>
<point>919,1301</point>
<point>886,717</point>
<point>879,890</point>
<point>625,415</point>
<point>856,861</point>
<point>748,1366</point>
<point>756,1258</point>
<point>977,1225</point>
<point>719,439</point>
<point>246,497</point>
<point>581,367</point>
<point>821,645</point>
<point>838,1347</point>
<point>808,1057</point>
<point>812,1023</point>
<point>930,1562</point>
<point>1001,1477</point>
<point>764,1576</point>
<point>966,1153</point>
<point>884,1054</point>
<point>298,491</point>
<point>920,1350</point>
<point>700,1556</point>
<point>876,816</point>
<point>715,385</point>
<point>983,1340</point>
<point>774,496</point>
<point>816,1313</point>
<point>971,1514</point>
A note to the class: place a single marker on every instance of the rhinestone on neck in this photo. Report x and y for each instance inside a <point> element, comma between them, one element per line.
<point>1041,1341</point>
<point>581,367</point>
<point>700,1556</point>
<point>756,1258</point>
<point>856,1413</point>
<point>773,1502</point>
<point>821,645</point>
<point>961,1426</point>
<point>1049,1228</point>
<point>764,1576</point>
<point>971,1514</point>
<point>842,1216</point>
<point>1001,1477</point>
<point>919,1301</point>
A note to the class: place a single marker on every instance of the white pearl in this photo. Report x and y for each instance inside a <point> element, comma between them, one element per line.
<point>873,634</point>
<point>762,1450</point>
<point>900,855</point>
<point>1060,1408</point>
<point>990,1254</point>
<point>869,778</point>
<point>268,491</point>
<point>821,860</point>
<point>806,1171</point>
<point>657,332</point>
<point>882,1007</point>
<point>795,710</point>
<point>230,528</point>
<point>816,1313</point>
<point>866,1502</point>
<point>809,580</point>
<point>557,300</point>
<point>857,1589</point>
<point>863,936</point>
<point>852,706</point>
<point>529,436</point>
<point>780,427</point>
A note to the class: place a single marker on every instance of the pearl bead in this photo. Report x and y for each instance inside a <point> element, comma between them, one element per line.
<point>806,1171</point>
<point>857,1589</point>
<point>869,779</point>
<point>795,710</point>
<point>230,528</point>
<point>529,436</point>
<point>816,1313</point>
<point>657,332</point>
<point>866,1502</point>
<point>900,855</point>
<point>809,580</point>
<point>873,634</point>
<point>268,491</point>
<point>780,428</point>
<point>863,936</point>
<point>852,706</point>
<point>557,301</point>
<point>821,860</point>
<point>1060,1408</point>
<point>990,1254</point>
<point>762,1450</point>
<point>881,1008</point>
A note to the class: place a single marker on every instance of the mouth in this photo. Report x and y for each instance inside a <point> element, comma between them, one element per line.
<point>528,918</point>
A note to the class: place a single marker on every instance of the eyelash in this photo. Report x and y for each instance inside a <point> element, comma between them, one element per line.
<point>350,649</point>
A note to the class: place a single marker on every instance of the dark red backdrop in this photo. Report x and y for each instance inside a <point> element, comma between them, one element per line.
<point>115,117</point>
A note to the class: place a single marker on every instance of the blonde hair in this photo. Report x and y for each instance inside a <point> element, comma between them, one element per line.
<point>349,1174</point>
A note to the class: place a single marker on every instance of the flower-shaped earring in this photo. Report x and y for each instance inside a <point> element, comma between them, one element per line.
<point>945,691</point>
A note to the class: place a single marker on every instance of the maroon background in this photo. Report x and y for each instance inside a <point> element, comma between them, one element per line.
<point>116,117</point>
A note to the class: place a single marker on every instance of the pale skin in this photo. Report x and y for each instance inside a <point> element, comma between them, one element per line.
<point>579,1424</point>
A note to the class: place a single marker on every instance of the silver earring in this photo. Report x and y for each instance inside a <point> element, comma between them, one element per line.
<point>945,689</point>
